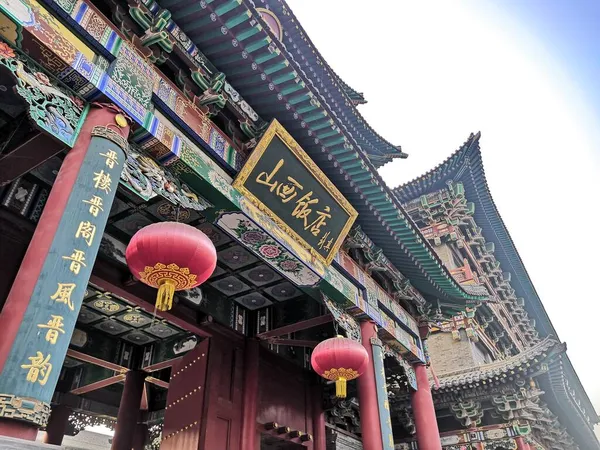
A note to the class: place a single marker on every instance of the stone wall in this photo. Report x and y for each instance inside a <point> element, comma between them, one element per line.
<point>448,355</point>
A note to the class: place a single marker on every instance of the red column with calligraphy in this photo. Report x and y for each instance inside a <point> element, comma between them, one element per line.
<point>41,309</point>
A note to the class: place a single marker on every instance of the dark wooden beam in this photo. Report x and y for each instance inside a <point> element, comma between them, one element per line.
<point>98,385</point>
<point>157,382</point>
<point>293,342</point>
<point>27,156</point>
<point>161,365</point>
<point>96,361</point>
<point>298,326</point>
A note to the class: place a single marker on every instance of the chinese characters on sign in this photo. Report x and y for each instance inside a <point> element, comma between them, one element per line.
<point>282,180</point>
<point>303,207</point>
<point>39,367</point>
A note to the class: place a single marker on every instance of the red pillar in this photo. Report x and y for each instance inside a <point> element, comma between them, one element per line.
<point>250,400</point>
<point>139,438</point>
<point>521,444</point>
<point>129,411</point>
<point>27,278</point>
<point>318,418</point>
<point>428,435</point>
<point>57,425</point>
<point>367,394</point>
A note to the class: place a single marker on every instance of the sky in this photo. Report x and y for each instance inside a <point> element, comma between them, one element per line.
<point>523,72</point>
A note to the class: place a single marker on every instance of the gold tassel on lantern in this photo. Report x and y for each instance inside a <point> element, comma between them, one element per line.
<point>340,388</point>
<point>166,291</point>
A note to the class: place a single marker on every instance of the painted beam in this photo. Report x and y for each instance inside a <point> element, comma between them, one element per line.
<point>157,382</point>
<point>96,361</point>
<point>298,326</point>
<point>98,385</point>
<point>161,365</point>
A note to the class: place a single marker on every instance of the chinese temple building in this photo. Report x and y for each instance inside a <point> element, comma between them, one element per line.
<point>503,380</point>
<point>218,124</point>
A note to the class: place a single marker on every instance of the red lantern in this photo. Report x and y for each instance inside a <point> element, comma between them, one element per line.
<point>172,257</point>
<point>339,359</point>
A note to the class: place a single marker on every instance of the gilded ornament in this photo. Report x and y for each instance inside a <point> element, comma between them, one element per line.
<point>121,120</point>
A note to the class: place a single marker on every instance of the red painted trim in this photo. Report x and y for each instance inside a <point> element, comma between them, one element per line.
<point>149,308</point>
<point>298,326</point>
<point>18,430</point>
<point>367,395</point>
<point>96,361</point>
<point>161,365</point>
<point>98,385</point>
<point>157,382</point>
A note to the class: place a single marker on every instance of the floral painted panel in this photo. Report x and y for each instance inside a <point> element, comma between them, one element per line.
<point>258,241</point>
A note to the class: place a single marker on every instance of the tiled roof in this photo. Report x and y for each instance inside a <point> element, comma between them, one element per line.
<point>466,165</point>
<point>273,77</point>
<point>542,351</point>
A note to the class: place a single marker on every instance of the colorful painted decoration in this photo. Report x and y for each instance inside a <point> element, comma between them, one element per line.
<point>339,359</point>
<point>171,257</point>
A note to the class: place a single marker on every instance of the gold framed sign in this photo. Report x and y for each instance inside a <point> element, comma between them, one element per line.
<point>281,180</point>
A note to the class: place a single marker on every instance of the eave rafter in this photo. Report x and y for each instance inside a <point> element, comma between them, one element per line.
<point>265,73</point>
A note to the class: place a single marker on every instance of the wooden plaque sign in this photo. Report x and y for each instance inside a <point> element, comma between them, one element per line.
<point>281,180</point>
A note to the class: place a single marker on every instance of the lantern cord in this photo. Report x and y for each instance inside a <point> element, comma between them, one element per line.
<point>335,328</point>
<point>340,388</point>
<point>177,213</point>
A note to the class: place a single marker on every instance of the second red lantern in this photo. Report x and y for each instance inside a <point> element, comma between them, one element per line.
<point>339,359</point>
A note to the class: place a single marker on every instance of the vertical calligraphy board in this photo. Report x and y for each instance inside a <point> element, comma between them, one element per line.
<point>35,361</point>
<point>382,398</point>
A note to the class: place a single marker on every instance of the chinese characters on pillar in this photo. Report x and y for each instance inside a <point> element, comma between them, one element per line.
<point>39,366</point>
<point>281,180</point>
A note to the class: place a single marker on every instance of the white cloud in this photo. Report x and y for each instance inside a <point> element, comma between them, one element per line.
<point>435,71</point>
